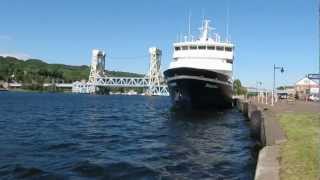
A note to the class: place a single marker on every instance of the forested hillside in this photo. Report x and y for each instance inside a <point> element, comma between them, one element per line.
<point>35,71</point>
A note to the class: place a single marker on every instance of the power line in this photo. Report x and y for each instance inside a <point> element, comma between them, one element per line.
<point>319,36</point>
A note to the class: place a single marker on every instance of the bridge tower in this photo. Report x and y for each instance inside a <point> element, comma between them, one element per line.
<point>97,69</point>
<point>154,74</point>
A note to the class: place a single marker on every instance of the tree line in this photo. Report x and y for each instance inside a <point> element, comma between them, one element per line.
<point>35,72</point>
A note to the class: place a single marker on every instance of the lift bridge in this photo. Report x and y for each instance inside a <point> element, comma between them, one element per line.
<point>153,82</point>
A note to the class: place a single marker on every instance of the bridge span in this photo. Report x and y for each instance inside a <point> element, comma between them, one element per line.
<point>153,82</point>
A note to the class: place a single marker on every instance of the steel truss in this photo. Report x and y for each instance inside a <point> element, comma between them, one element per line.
<point>153,82</point>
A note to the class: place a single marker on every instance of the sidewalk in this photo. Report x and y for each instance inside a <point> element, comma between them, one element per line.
<point>275,134</point>
<point>298,106</point>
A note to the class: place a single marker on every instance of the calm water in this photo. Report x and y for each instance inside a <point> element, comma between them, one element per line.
<point>67,136</point>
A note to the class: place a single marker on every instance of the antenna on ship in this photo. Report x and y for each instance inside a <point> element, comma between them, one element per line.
<point>227,23</point>
<point>203,16</point>
<point>189,26</point>
<point>205,29</point>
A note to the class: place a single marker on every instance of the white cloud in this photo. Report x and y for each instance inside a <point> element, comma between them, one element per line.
<point>22,56</point>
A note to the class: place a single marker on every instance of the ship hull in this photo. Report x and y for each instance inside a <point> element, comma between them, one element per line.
<point>197,88</point>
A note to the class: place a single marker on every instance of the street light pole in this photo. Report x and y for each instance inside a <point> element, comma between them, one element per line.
<point>319,44</point>
<point>274,82</point>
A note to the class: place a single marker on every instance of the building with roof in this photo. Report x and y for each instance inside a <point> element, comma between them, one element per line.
<point>305,87</point>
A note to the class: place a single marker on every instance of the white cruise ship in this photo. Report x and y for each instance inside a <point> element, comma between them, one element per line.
<point>200,74</point>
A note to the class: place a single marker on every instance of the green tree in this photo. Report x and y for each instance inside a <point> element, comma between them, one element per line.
<point>238,89</point>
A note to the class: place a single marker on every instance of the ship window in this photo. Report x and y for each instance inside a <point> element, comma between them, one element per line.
<point>229,49</point>
<point>219,48</point>
<point>211,48</point>
<point>201,47</point>
<point>193,47</point>
<point>229,61</point>
<point>177,48</point>
<point>184,47</point>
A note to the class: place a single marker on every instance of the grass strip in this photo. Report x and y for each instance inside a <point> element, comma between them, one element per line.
<point>300,155</point>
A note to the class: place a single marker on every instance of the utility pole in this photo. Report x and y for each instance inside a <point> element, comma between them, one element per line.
<point>319,45</point>
<point>319,36</point>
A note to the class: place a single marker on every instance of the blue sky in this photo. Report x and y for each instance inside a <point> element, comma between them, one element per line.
<point>264,32</point>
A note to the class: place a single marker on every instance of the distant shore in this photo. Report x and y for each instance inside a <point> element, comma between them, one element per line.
<point>113,93</point>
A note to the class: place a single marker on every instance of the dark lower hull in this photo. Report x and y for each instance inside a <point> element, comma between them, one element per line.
<point>194,88</point>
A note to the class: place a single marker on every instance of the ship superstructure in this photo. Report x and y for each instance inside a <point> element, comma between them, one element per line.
<point>200,73</point>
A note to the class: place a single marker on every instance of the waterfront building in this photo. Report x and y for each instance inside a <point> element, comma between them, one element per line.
<point>306,86</point>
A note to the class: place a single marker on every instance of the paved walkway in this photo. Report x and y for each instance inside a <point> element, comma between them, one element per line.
<point>297,106</point>
<point>274,134</point>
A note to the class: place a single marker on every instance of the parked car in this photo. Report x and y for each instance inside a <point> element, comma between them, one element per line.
<point>283,95</point>
<point>313,98</point>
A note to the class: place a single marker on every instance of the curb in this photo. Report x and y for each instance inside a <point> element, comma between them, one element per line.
<point>268,131</point>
